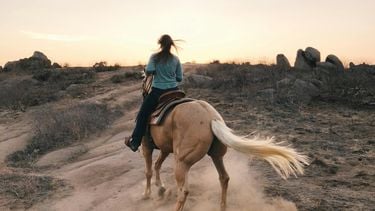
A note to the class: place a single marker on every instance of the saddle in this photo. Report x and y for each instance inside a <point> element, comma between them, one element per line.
<point>167,102</point>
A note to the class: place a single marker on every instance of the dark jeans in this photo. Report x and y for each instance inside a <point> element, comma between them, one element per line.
<point>148,106</point>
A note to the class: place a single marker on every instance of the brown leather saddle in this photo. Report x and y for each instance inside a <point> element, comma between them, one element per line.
<point>167,102</point>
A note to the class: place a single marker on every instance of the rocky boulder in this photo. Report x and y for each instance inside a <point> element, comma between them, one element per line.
<point>304,91</point>
<point>335,61</point>
<point>312,55</point>
<point>301,62</point>
<point>39,55</point>
<point>282,62</point>
<point>56,65</point>
<point>36,62</point>
<point>306,60</point>
<point>297,90</point>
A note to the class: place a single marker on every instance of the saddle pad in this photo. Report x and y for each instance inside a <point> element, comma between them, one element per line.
<point>159,115</point>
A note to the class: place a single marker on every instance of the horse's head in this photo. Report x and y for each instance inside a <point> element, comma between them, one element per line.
<point>147,83</point>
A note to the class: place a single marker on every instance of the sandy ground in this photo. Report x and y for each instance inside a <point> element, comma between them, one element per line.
<point>104,175</point>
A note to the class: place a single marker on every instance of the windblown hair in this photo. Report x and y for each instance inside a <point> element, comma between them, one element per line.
<point>164,54</point>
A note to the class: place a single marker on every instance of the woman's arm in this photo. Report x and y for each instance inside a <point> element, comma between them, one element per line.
<point>179,75</point>
<point>151,67</point>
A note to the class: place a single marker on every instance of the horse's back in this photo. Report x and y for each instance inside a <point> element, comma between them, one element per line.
<point>187,131</point>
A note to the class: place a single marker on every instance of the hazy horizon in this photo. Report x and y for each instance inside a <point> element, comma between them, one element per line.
<point>87,31</point>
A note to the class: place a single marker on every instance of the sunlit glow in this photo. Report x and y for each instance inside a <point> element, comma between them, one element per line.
<point>82,32</point>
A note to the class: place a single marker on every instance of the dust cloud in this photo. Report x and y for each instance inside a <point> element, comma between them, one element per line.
<point>245,190</point>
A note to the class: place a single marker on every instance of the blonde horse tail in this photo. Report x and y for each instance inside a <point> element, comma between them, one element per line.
<point>284,159</point>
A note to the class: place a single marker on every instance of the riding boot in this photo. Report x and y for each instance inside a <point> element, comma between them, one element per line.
<point>133,143</point>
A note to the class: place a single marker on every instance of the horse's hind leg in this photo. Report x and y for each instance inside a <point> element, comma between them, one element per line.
<point>147,154</point>
<point>158,163</point>
<point>181,173</point>
<point>224,179</point>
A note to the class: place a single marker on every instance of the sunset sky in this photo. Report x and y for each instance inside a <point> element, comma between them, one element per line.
<point>82,32</point>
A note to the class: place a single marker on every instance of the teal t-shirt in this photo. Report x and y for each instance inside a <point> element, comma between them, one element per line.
<point>166,74</point>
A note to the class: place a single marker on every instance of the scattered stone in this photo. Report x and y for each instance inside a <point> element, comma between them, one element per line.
<point>336,61</point>
<point>282,62</point>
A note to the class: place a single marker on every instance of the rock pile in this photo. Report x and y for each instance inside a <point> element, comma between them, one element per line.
<point>36,62</point>
<point>313,78</point>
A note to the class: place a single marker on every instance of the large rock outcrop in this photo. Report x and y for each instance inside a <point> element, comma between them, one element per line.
<point>37,61</point>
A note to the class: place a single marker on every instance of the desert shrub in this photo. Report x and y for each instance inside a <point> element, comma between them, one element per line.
<point>103,67</point>
<point>58,127</point>
<point>240,77</point>
<point>117,78</point>
<point>42,75</point>
<point>25,190</point>
<point>126,76</point>
<point>354,87</point>
<point>20,92</point>
<point>65,77</point>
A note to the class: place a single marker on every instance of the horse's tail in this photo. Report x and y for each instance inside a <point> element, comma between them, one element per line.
<point>285,160</point>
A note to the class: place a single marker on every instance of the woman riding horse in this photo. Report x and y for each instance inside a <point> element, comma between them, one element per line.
<point>167,71</point>
<point>194,129</point>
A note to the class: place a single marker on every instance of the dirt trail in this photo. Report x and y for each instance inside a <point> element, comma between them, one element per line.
<point>109,177</point>
<point>14,130</point>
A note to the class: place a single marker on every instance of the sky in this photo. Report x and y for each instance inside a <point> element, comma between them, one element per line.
<point>82,32</point>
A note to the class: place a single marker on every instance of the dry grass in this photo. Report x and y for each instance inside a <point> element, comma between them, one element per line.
<point>59,127</point>
<point>18,93</point>
<point>20,191</point>
<point>354,87</point>
<point>137,75</point>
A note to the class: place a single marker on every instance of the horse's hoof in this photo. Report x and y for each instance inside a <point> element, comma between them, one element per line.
<point>146,196</point>
<point>161,191</point>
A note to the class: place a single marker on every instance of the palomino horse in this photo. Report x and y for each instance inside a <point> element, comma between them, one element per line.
<point>194,129</point>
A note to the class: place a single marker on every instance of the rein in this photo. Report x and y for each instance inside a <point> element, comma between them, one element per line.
<point>147,84</point>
